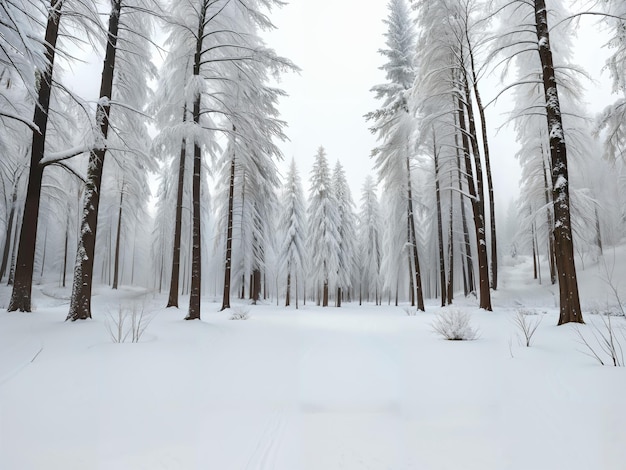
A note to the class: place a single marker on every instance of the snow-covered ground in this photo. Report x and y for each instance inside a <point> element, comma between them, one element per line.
<point>316,389</point>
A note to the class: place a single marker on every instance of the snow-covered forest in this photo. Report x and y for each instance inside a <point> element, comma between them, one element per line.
<point>169,197</point>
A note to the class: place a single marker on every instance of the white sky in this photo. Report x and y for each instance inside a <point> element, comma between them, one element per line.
<point>336,44</point>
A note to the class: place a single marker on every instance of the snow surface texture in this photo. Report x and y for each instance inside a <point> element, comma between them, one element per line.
<point>312,389</point>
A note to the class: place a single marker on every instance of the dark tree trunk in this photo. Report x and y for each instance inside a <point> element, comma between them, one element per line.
<point>451,249</point>
<point>532,239</point>
<point>564,245</point>
<point>492,202</point>
<point>116,262</point>
<point>80,303</point>
<point>338,300</point>
<point>43,255</point>
<point>229,239</point>
<point>413,241</point>
<point>288,293</point>
<point>475,187</point>
<point>442,261</point>
<point>196,241</point>
<point>23,275</point>
<point>65,250</point>
<point>325,294</point>
<point>172,300</point>
<point>256,285</point>
<point>466,247</point>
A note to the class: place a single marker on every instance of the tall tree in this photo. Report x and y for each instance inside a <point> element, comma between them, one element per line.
<point>127,63</point>
<point>394,126</point>
<point>293,253</point>
<point>323,240</point>
<point>529,24</point>
<point>346,228</point>
<point>370,239</point>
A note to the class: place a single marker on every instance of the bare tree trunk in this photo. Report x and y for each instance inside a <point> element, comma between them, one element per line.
<point>325,294</point>
<point>43,256</point>
<point>229,239</point>
<point>13,255</point>
<point>442,261</point>
<point>564,245</point>
<point>413,241</point>
<point>80,303</point>
<point>116,262</point>
<point>476,195</point>
<point>451,249</point>
<point>532,237</point>
<point>172,300</point>
<point>23,274</point>
<point>65,249</point>
<point>338,299</point>
<point>466,247</point>
<point>288,293</point>
<point>492,202</point>
<point>478,205</point>
<point>256,285</point>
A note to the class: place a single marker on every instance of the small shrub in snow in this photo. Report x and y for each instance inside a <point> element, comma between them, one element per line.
<point>239,314</point>
<point>526,326</point>
<point>606,344</point>
<point>454,325</point>
<point>125,325</point>
<point>410,312</point>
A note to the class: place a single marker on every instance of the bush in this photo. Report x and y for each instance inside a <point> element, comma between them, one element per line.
<point>526,326</point>
<point>454,325</point>
<point>127,324</point>
<point>606,344</point>
<point>239,314</point>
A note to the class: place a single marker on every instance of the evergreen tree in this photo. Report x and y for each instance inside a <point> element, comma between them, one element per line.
<point>369,243</point>
<point>346,227</point>
<point>323,239</point>
<point>394,125</point>
<point>293,253</point>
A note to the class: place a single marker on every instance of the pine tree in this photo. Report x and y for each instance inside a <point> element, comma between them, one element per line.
<point>293,253</point>
<point>346,228</point>
<point>394,125</point>
<point>126,66</point>
<point>323,239</point>
<point>369,238</point>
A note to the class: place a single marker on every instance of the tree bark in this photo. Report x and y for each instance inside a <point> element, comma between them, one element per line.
<point>492,202</point>
<point>172,300</point>
<point>23,274</point>
<point>229,238</point>
<point>442,261</point>
<point>477,196</point>
<point>413,241</point>
<point>451,249</point>
<point>563,242</point>
<point>116,262</point>
<point>80,302</point>
<point>196,251</point>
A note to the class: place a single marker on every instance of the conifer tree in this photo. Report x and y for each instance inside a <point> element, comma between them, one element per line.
<point>323,239</point>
